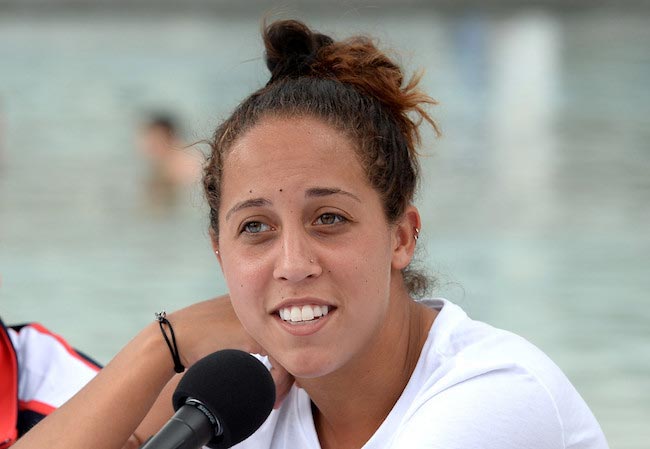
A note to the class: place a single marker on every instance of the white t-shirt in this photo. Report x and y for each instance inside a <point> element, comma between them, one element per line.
<point>474,386</point>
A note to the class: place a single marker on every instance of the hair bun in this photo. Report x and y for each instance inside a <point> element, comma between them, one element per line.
<point>291,49</point>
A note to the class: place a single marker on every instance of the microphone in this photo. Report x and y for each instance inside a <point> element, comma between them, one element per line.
<point>221,400</point>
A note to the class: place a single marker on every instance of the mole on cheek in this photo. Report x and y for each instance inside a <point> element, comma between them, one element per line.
<point>280,190</point>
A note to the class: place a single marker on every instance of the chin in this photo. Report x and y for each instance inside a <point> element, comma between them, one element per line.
<point>306,365</point>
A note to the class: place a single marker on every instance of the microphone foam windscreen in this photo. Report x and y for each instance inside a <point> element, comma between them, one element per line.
<point>237,389</point>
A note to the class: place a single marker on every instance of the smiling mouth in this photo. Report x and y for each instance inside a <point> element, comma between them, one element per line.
<point>303,314</point>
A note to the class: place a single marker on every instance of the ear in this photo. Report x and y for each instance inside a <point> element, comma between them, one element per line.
<point>215,244</point>
<point>405,236</point>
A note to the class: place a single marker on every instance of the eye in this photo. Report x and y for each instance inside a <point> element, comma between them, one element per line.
<point>330,219</point>
<point>255,227</point>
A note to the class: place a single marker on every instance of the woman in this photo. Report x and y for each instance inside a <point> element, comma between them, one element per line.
<point>310,185</point>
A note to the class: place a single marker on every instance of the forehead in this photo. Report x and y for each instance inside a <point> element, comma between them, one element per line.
<point>281,149</point>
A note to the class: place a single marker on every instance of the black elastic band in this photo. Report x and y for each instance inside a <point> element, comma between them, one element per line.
<point>161,317</point>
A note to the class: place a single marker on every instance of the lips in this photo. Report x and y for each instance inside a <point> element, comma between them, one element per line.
<point>304,313</point>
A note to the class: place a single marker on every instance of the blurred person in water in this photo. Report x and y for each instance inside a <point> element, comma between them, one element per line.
<point>172,165</point>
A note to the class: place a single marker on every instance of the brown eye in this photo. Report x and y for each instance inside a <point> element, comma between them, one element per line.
<point>330,219</point>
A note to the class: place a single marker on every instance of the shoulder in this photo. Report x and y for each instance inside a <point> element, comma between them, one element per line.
<point>498,409</point>
<point>460,349</point>
<point>485,387</point>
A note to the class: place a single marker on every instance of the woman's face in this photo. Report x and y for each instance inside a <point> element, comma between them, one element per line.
<point>304,245</point>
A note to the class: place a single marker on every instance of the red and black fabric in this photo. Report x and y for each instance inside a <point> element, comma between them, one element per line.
<point>39,371</point>
<point>8,390</point>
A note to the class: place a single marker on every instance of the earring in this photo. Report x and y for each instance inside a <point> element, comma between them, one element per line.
<point>417,233</point>
<point>216,251</point>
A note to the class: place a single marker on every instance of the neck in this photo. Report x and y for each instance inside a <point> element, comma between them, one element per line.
<point>351,403</point>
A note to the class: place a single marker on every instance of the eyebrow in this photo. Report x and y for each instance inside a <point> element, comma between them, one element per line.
<point>254,202</point>
<point>326,191</point>
<point>314,192</point>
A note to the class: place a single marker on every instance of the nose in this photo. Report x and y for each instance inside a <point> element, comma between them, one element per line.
<point>295,261</point>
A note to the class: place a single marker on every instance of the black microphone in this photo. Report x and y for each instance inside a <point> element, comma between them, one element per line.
<point>221,400</point>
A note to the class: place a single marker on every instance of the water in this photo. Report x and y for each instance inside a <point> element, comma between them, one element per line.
<point>535,200</point>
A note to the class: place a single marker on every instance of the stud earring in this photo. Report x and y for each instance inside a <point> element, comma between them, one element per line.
<point>216,251</point>
<point>417,233</point>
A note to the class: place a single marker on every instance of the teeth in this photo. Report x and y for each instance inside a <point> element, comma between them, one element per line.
<point>297,314</point>
<point>307,313</point>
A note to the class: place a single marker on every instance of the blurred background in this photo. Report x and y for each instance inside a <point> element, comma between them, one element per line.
<point>535,201</point>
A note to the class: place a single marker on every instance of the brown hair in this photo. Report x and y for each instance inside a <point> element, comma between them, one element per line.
<point>352,86</point>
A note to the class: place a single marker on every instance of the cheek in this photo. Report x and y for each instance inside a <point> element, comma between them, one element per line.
<point>241,271</point>
<point>366,268</point>
<point>246,289</point>
<point>245,280</point>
